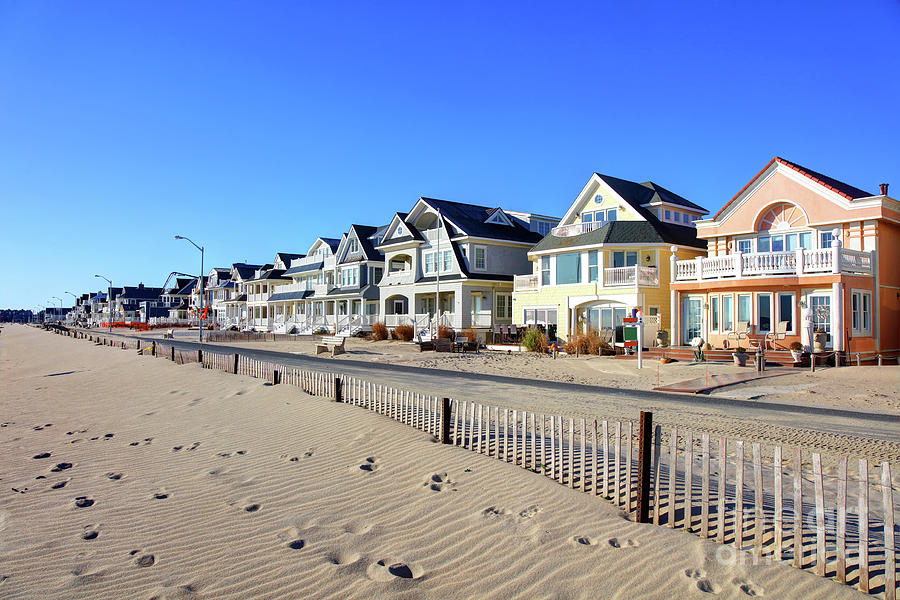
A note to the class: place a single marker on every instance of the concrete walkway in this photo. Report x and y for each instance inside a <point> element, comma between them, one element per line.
<point>700,385</point>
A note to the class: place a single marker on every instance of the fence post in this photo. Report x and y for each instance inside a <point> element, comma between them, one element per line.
<point>445,421</point>
<point>236,359</point>
<point>276,377</point>
<point>173,353</point>
<point>153,348</point>
<point>645,439</point>
<point>200,356</point>
<point>338,395</point>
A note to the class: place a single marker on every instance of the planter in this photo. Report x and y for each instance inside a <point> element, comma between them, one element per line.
<point>819,342</point>
<point>665,360</point>
<point>740,359</point>
<point>796,354</point>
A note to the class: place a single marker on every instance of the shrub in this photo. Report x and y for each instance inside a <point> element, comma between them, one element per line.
<point>585,343</point>
<point>739,350</point>
<point>404,333</point>
<point>379,331</point>
<point>535,340</point>
<point>796,346</point>
<point>445,332</point>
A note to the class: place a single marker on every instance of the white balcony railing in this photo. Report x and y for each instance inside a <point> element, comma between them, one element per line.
<point>627,276</point>
<point>525,283</point>
<point>300,286</point>
<point>763,264</point>
<point>481,320</point>
<point>575,229</point>
<point>393,320</point>
<point>397,278</point>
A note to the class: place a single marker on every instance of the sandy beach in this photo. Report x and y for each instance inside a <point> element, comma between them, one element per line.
<point>128,477</point>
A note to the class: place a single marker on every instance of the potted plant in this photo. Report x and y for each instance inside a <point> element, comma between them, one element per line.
<point>819,339</point>
<point>796,350</point>
<point>662,338</point>
<point>740,356</point>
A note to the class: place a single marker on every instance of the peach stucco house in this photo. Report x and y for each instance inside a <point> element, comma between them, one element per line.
<point>799,249</point>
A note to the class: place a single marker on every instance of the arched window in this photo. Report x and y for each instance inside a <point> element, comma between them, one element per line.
<point>783,215</point>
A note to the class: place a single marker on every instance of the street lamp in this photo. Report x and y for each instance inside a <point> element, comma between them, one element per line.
<point>59,316</point>
<point>74,307</point>
<point>108,299</point>
<point>199,280</point>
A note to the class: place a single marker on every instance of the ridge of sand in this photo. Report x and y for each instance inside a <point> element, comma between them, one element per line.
<point>206,485</point>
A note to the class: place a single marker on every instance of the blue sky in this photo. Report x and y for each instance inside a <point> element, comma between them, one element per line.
<point>255,127</point>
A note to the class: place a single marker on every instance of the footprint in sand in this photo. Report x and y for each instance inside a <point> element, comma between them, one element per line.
<point>41,455</point>
<point>386,570</point>
<point>84,574</point>
<point>145,560</point>
<point>625,543</point>
<point>91,532</point>
<point>309,453</point>
<point>585,540</point>
<point>114,476</point>
<point>162,494</point>
<point>698,576</point>
<point>60,484</point>
<point>252,508</point>
<point>61,467</point>
<point>493,511</point>
<point>530,511</point>
<point>358,527</point>
<point>296,544</point>
<point>370,465</point>
<point>342,556</point>
<point>83,501</point>
<point>748,587</point>
<point>438,481</point>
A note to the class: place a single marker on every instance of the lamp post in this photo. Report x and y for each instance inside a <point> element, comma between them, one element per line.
<point>108,299</point>
<point>59,315</point>
<point>199,280</point>
<point>74,307</point>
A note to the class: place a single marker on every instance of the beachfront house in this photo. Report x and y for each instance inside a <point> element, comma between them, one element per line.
<point>798,256</point>
<point>336,292</point>
<point>304,301</point>
<point>452,264</point>
<point>219,289</point>
<point>128,304</point>
<point>236,311</point>
<point>609,255</point>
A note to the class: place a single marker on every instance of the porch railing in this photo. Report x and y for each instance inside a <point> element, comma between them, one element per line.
<point>627,276</point>
<point>525,283</point>
<point>761,264</point>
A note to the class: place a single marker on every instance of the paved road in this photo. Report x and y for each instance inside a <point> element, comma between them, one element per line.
<point>730,416</point>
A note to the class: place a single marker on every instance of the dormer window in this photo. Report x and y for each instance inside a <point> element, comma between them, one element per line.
<point>400,230</point>
<point>353,246</point>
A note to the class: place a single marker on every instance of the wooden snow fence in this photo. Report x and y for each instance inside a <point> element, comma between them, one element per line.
<point>829,514</point>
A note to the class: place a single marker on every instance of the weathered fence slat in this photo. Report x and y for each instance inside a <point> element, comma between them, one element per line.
<point>841,532</point>
<point>820,513</point>
<point>688,480</point>
<point>594,457</point>
<point>704,486</point>
<point>890,565</point>
<point>673,473</point>
<point>628,459</point>
<point>739,496</point>
<point>617,488</point>
<point>798,509</point>
<point>863,509</point>
<point>657,448</point>
<point>779,503</point>
<point>759,522</point>
<point>605,459</point>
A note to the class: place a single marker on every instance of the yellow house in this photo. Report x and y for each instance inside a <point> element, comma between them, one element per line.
<point>609,255</point>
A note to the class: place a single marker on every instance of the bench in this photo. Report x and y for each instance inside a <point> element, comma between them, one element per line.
<point>332,343</point>
<point>169,334</point>
<point>462,344</point>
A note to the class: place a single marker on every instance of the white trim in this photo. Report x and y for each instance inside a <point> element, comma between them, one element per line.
<point>495,241</point>
<point>615,245</point>
<point>793,330</point>
<point>757,328</point>
<point>862,332</point>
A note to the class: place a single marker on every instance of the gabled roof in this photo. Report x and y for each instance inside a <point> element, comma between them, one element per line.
<point>333,243</point>
<point>363,234</point>
<point>671,197</point>
<point>304,268</point>
<point>287,257</point>
<point>187,289</point>
<point>245,270</point>
<point>470,220</point>
<point>269,274</point>
<point>844,189</point>
<point>411,234</point>
<point>626,232</point>
<point>222,273</point>
<point>140,293</point>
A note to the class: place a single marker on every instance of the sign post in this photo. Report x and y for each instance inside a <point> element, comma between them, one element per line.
<point>634,336</point>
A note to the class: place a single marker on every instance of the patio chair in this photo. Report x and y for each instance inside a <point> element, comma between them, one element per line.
<point>778,334</point>
<point>740,332</point>
<point>504,334</point>
<point>497,332</point>
<point>514,334</point>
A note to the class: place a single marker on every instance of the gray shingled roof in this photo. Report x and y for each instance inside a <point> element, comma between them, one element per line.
<point>626,232</point>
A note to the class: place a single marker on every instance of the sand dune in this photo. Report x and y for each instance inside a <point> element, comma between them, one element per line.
<point>127,477</point>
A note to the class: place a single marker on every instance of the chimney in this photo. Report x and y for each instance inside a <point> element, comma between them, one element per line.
<point>884,188</point>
